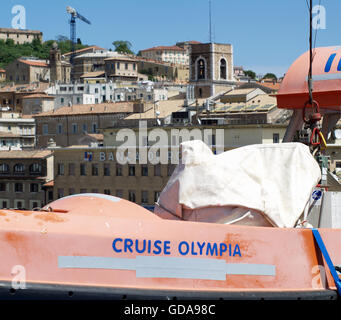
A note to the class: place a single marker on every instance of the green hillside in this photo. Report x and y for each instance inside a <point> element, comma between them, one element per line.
<point>10,51</point>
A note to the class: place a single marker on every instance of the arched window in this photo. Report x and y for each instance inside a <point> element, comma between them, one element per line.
<point>201,69</point>
<point>223,69</point>
<point>35,168</point>
<point>18,168</point>
<point>4,168</point>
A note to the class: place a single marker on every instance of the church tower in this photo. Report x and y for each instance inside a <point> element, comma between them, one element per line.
<point>211,68</point>
<point>55,63</point>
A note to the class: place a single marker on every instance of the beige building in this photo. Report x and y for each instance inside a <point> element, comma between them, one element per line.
<point>121,68</point>
<point>16,131</point>
<point>37,103</point>
<point>28,70</point>
<point>20,36</point>
<point>82,169</point>
<point>163,71</point>
<point>68,125</point>
<point>171,54</point>
<point>22,176</point>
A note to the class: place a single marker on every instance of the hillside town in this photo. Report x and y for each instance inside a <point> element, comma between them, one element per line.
<point>62,118</point>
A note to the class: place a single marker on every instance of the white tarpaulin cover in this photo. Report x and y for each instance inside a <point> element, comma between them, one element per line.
<point>264,185</point>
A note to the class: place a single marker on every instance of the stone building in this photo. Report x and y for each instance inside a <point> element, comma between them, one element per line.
<point>82,169</point>
<point>28,70</point>
<point>211,68</point>
<point>2,75</point>
<point>37,103</point>
<point>171,54</point>
<point>68,125</point>
<point>22,176</point>
<point>121,68</point>
<point>20,36</point>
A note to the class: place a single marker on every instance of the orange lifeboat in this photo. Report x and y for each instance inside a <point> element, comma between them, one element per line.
<point>326,76</point>
<point>98,246</point>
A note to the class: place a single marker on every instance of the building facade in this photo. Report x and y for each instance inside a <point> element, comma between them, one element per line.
<point>22,176</point>
<point>20,36</point>
<point>211,68</point>
<point>171,54</point>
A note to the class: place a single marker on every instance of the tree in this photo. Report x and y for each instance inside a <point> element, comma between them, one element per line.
<point>270,76</point>
<point>250,74</point>
<point>122,46</point>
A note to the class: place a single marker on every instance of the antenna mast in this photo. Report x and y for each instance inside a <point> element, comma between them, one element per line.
<point>210,21</point>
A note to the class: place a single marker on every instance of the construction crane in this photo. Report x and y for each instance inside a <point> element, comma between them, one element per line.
<point>74,15</point>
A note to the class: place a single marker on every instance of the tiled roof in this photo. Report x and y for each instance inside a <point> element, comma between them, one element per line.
<point>49,184</point>
<point>38,95</point>
<point>26,88</point>
<point>2,70</point>
<point>33,63</point>
<point>8,30</point>
<point>176,48</point>
<point>21,154</point>
<point>84,49</point>
<point>118,107</point>
<point>93,74</point>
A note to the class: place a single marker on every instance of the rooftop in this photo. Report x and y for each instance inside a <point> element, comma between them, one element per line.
<point>34,63</point>
<point>118,107</point>
<point>38,95</point>
<point>174,48</point>
<point>84,49</point>
<point>8,30</point>
<point>25,154</point>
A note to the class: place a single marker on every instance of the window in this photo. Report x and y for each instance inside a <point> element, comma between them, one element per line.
<point>83,169</point>
<point>118,170</point>
<point>157,170</point>
<point>126,66</point>
<point>82,190</point>
<point>4,204</point>
<point>275,138</point>
<point>60,193</point>
<point>4,168</point>
<point>18,187</point>
<point>19,205</point>
<point>3,186</point>
<point>170,169</point>
<point>338,164</point>
<point>119,193</point>
<point>94,127</point>
<point>45,129</point>
<point>60,169</point>
<point>144,171</point>
<point>35,168</point>
<point>144,197</point>
<point>106,169</point>
<point>85,127</point>
<point>61,100</point>
<point>35,205</point>
<point>50,195</point>
<point>19,168</point>
<point>131,170</point>
<point>134,66</point>
<point>156,195</point>
<point>74,128</point>
<point>34,187</point>
<point>107,191</point>
<point>201,69</point>
<point>72,169</point>
<point>94,169</point>
<point>118,65</point>
<point>131,196</point>
<point>71,191</point>
<point>222,69</point>
<point>59,128</point>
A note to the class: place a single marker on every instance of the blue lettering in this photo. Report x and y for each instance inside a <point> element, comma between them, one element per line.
<point>192,250</point>
<point>128,243</point>
<point>223,248</point>
<point>180,246</point>
<point>166,247</point>
<point>230,249</point>
<point>212,249</point>
<point>149,246</point>
<point>201,246</point>
<point>137,246</point>
<point>157,246</point>
<point>237,251</point>
<point>329,62</point>
<point>114,245</point>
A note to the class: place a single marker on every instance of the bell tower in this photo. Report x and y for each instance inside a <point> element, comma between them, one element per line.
<point>55,63</point>
<point>211,68</point>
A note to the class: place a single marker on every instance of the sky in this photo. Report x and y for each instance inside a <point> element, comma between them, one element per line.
<point>267,35</point>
